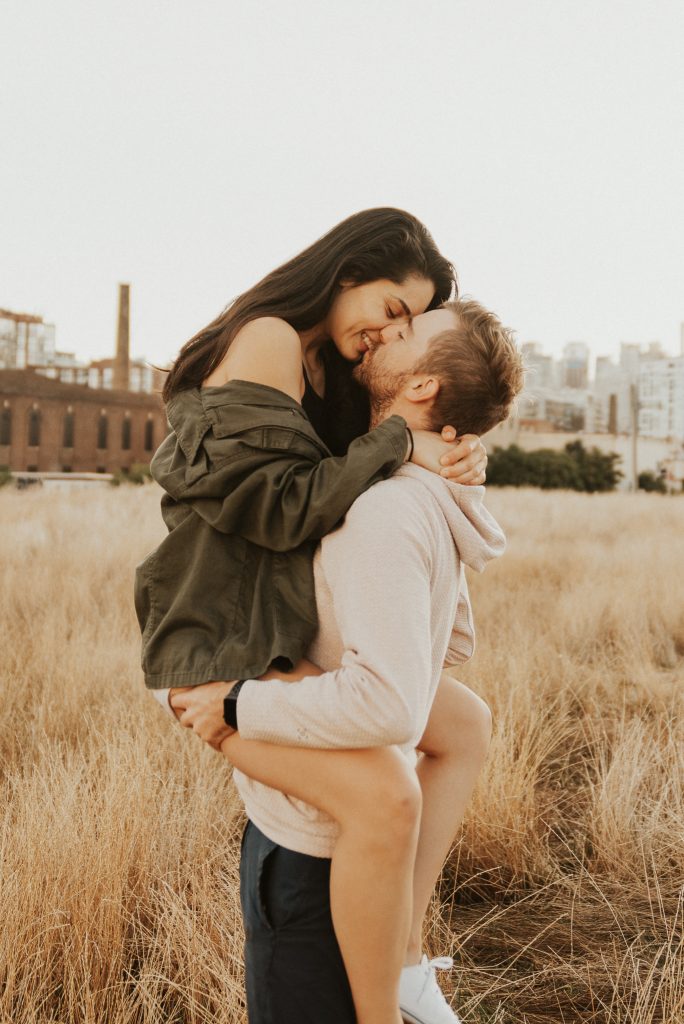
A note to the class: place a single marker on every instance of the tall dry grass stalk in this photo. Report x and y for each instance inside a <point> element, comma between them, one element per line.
<point>563,899</point>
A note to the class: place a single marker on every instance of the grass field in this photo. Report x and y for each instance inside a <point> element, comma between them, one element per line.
<point>563,899</point>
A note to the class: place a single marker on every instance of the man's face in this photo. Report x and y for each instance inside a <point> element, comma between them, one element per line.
<point>386,368</point>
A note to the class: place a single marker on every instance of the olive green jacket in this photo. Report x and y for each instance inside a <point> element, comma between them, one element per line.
<point>250,488</point>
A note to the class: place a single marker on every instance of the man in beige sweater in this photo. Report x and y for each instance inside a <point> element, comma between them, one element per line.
<point>393,608</point>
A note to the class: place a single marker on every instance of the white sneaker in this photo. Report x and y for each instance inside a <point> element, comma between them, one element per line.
<point>421,1000</point>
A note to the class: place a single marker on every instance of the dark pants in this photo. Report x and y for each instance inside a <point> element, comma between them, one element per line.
<point>293,966</point>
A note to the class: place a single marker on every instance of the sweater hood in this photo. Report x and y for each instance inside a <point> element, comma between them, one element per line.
<point>477,535</point>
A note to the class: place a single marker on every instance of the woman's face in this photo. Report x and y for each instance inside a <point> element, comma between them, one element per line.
<point>364,309</point>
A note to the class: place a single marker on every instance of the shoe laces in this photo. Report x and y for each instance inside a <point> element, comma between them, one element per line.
<point>442,963</point>
<point>438,963</point>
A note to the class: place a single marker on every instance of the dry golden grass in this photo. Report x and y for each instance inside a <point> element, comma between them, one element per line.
<point>563,901</point>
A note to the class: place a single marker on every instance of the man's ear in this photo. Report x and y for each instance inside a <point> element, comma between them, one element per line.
<point>422,389</point>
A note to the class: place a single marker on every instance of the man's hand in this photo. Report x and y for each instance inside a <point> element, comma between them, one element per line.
<point>463,459</point>
<point>200,708</point>
<point>466,463</point>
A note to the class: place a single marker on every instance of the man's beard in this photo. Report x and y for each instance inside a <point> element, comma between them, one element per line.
<point>382,386</point>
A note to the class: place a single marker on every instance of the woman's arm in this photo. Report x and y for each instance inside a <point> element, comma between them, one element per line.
<point>259,484</point>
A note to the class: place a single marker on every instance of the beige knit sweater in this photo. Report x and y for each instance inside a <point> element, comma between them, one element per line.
<point>393,608</point>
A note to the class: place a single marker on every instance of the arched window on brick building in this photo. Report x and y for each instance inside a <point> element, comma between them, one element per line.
<point>149,435</point>
<point>102,430</point>
<point>126,432</point>
<point>34,427</point>
<point>68,432</point>
<point>6,424</point>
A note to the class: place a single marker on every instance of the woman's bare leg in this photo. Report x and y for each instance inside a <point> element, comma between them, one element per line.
<point>375,798</point>
<point>454,747</point>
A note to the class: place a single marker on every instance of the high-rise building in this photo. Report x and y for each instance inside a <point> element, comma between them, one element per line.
<point>540,368</point>
<point>661,397</point>
<point>25,340</point>
<point>575,365</point>
<point>659,379</point>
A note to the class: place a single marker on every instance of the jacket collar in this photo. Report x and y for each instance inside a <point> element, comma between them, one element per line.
<point>193,412</point>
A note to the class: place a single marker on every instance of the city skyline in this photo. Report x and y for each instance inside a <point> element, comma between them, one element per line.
<point>191,149</point>
<point>595,354</point>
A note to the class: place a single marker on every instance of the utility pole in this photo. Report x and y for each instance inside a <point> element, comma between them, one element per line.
<point>634,406</point>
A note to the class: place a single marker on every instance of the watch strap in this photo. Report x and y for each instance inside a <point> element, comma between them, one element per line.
<point>230,705</point>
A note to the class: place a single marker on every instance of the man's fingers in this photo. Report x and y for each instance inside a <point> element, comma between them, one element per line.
<point>177,698</point>
<point>466,452</point>
<point>461,474</point>
<point>459,467</point>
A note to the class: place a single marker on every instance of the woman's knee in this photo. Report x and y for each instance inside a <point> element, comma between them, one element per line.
<point>460,723</point>
<point>392,802</point>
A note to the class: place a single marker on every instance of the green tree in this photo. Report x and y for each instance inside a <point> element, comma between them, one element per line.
<point>648,481</point>
<point>598,470</point>
<point>575,468</point>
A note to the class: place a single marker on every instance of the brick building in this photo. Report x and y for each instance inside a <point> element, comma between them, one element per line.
<point>48,426</point>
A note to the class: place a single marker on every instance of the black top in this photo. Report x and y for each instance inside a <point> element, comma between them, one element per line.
<point>344,412</point>
<point>315,408</point>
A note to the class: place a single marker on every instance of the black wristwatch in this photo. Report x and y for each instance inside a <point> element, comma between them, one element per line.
<point>230,705</point>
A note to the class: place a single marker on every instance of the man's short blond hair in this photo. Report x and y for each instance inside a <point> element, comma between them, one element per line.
<point>479,368</point>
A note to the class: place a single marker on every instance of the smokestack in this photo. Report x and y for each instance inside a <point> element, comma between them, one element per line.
<point>120,381</point>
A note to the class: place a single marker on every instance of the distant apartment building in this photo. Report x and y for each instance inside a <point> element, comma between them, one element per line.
<point>611,394</point>
<point>541,370</point>
<point>575,366</point>
<point>659,380</point>
<point>661,397</point>
<point>25,340</point>
<point>560,395</point>
<point>57,415</point>
<point>555,408</point>
<point>556,393</point>
<point>49,426</point>
<point>142,377</point>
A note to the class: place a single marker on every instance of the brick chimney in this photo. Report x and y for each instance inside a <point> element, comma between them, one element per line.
<point>120,377</point>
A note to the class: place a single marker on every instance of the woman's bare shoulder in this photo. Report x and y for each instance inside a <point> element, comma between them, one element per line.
<point>265,351</point>
<point>267,330</point>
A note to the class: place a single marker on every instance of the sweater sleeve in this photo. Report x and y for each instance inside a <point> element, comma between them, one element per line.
<point>462,640</point>
<point>378,567</point>
<point>279,499</point>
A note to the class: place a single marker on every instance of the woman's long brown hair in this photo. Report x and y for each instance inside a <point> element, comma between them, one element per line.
<point>372,244</point>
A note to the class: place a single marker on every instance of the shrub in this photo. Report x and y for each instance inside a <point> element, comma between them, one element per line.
<point>139,473</point>
<point>575,468</point>
<point>5,475</point>
<point>649,481</point>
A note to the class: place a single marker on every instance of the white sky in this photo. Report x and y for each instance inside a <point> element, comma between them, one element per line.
<point>189,147</point>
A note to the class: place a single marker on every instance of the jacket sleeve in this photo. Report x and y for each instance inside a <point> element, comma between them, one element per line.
<point>380,695</point>
<point>279,498</point>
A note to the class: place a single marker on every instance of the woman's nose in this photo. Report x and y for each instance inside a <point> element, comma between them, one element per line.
<point>387,332</point>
